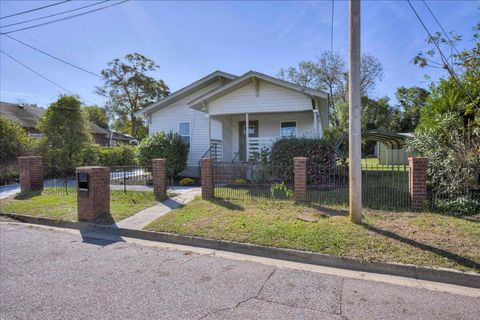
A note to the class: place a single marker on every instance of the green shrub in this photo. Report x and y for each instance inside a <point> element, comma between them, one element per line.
<point>460,206</point>
<point>121,155</point>
<point>169,146</point>
<point>319,154</point>
<point>14,141</point>
<point>186,182</point>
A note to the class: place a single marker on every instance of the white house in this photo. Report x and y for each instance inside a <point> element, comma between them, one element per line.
<point>211,114</point>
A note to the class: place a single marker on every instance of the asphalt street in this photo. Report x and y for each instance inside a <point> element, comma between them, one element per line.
<point>54,274</point>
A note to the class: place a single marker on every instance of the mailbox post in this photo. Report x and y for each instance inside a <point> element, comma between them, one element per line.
<point>93,193</point>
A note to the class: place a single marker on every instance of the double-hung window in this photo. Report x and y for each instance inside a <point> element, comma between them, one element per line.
<point>184,131</point>
<point>288,129</point>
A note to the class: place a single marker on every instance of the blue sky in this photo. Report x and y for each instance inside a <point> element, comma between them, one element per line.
<point>191,39</point>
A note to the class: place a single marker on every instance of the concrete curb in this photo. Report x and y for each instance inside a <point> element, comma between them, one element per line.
<point>450,276</point>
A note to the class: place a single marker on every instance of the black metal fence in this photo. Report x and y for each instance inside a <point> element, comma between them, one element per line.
<point>382,186</point>
<point>59,181</point>
<point>131,178</point>
<point>242,181</point>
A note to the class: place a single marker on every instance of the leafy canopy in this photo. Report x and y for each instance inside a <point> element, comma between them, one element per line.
<point>128,88</point>
<point>97,115</point>
<point>14,141</point>
<point>65,132</point>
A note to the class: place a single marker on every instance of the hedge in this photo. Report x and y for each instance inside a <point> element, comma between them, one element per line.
<point>319,154</point>
<point>169,146</point>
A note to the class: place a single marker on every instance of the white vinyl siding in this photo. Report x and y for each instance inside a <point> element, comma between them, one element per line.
<point>271,98</point>
<point>168,118</point>
<point>268,127</point>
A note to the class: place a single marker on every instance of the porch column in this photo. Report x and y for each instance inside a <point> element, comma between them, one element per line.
<point>247,142</point>
<point>315,122</point>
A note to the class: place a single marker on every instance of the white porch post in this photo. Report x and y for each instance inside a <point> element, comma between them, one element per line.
<point>315,122</point>
<point>247,140</point>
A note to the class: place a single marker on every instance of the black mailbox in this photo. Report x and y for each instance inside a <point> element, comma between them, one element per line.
<point>82,178</point>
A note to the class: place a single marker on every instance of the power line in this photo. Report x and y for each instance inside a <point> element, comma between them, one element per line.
<point>38,74</point>
<point>444,59</point>
<point>53,57</point>
<point>31,10</point>
<point>41,75</point>
<point>65,18</point>
<point>53,15</point>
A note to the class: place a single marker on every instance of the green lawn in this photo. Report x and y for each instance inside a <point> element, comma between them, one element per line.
<point>58,205</point>
<point>380,190</point>
<point>424,239</point>
<point>372,164</point>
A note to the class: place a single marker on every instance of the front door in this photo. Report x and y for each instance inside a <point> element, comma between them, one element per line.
<point>252,132</point>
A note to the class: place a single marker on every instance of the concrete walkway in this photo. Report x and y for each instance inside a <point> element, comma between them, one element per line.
<point>144,217</point>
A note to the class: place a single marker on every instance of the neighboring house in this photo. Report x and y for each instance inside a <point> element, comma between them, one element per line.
<point>212,115</point>
<point>27,116</point>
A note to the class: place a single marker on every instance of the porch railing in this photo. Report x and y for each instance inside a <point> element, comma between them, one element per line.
<point>257,143</point>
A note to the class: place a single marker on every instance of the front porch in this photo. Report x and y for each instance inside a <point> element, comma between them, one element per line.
<point>230,142</point>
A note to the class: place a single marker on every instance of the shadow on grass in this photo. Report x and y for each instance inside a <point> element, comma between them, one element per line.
<point>227,204</point>
<point>330,211</point>
<point>466,262</point>
<point>27,195</point>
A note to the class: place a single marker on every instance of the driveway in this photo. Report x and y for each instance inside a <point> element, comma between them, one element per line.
<point>59,274</point>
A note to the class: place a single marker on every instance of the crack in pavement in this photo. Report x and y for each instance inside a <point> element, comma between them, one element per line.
<point>215,311</point>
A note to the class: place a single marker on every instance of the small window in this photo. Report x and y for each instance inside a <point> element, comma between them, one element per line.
<point>184,131</point>
<point>288,129</point>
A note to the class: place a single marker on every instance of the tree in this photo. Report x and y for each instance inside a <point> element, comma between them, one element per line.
<point>14,141</point>
<point>128,88</point>
<point>459,92</point>
<point>411,102</point>
<point>329,73</point>
<point>65,133</point>
<point>449,129</point>
<point>123,125</point>
<point>97,115</point>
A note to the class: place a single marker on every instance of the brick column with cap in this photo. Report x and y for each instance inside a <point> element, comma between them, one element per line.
<point>93,196</point>
<point>159,176</point>
<point>300,179</point>
<point>418,182</point>
<point>31,173</point>
<point>206,171</point>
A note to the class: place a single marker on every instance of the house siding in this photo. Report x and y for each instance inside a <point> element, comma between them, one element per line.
<point>268,127</point>
<point>271,98</point>
<point>168,118</point>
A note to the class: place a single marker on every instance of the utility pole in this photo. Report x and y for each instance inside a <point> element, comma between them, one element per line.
<point>354,127</point>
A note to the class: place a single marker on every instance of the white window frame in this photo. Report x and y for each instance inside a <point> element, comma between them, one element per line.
<point>189,131</point>
<point>296,128</point>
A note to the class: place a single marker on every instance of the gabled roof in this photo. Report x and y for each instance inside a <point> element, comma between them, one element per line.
<point>185,91</point>
<point>247,77</point>
<point>28,115</point>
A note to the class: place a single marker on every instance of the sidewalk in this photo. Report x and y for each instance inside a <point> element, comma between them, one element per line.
<point>144,217</point>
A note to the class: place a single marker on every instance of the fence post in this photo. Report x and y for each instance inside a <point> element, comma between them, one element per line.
<point>300,179</point>
<point>417,182</point>
<point>93,192</point>
<point>206,172</point>
<point>159,177</point>
<point>31,173</point>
